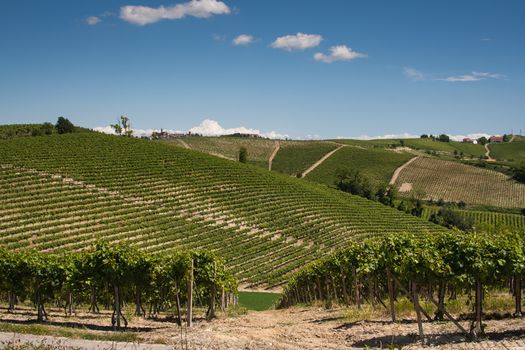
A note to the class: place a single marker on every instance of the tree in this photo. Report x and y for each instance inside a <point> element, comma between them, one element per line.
<point>123,126</point>
<point>418,208</point>
<point>47,128</point>
<point>449,218</point>
<point>386,195</point>
<point>518,174</point>
<point>64,126</point>
<point>353,182</point>
<point>424,136</point>
<point>243,155</point>
<point>443,138</point>
<point>483,140</point>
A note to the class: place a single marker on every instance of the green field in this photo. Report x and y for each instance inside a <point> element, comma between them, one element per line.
<point>294,157</point>
<point>258,301</point>
<point>513,152</point>
<point>378,165</point>
<point>63,192</point>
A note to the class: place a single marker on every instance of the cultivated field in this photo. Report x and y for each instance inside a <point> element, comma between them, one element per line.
<point>485,220</point>
<point>63,192</point>
<point>453,182</point>
<point>378,165</point>
<point>295,157</point>
<point>259,150</point>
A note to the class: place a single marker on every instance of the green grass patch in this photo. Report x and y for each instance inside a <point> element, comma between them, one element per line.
<point>258,301</point>
<point>513,152</point>
<point>76,333</point>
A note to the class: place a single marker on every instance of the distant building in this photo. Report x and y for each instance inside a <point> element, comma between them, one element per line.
<point>468,140</point>
<point>496,139</point>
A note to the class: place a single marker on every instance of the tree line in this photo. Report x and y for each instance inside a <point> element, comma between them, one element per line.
<point>437,267</point>
<point>115,275</point>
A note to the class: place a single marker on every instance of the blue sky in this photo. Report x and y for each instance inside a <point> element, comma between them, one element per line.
<point>358,67</point>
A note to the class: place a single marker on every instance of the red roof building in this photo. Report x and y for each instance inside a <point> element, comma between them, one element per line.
<point>496,139</point>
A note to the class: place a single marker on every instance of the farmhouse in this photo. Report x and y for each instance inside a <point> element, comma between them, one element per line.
<point>496,139</point>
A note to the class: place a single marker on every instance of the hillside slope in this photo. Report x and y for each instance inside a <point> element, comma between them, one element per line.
<point>435,179</point>
<point>66,191</point>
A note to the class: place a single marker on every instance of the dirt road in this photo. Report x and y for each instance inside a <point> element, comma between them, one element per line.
<point>398,170</point>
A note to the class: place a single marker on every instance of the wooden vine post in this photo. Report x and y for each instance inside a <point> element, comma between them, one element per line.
<point>390,286</point>
<point>189,312</point>
<point>417,307</point>
<point>517,296</point>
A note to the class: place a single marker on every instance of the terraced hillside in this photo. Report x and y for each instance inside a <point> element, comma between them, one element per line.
<point>65,191</point>
<point>453,182</point>
<point>376,164</point>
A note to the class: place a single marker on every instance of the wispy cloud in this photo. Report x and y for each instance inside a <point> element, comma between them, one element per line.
<point>243,39</point>
<point>297,42</point>
<point>142,15</point>
<point>474,76</point>
<point>413,74</point>
<point>93,20</point>
<point>338,53</point>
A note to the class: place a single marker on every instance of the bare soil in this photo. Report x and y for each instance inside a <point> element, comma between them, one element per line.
<point>301,328</point>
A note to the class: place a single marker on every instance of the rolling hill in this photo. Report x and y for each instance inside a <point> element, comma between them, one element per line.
<point>429,178</point>
<point>63,192</point>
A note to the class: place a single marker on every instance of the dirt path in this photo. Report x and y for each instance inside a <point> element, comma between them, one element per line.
<point>398,170</point>
<point>320,161</point>
<point>184,144</point>
<point>487,154</point>
<point>274,153</point>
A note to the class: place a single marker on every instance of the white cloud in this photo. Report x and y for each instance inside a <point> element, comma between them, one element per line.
<point>210,127</point>
<point>413,74</point>
<point>92,20</point>
<point>339,53</point>
<point>474,76</point>
<point>296,42</point>
<point>142,15</point>
<point>473,136</point>
<point>381,137</point>
<point>207,127</point>
<point>243,39</point>
<point>407,135</point>
<point>136,132</point>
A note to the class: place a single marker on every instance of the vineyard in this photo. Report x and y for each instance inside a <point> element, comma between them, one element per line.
<point>454,182</point>
<point>378,165</point>
<point>116,275</point>
<point>484,220</point>
<point>259,150</point>
<point>436,267</point>
<point>294,157</point>
<point>64,192</point>
<point>424,145</point>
